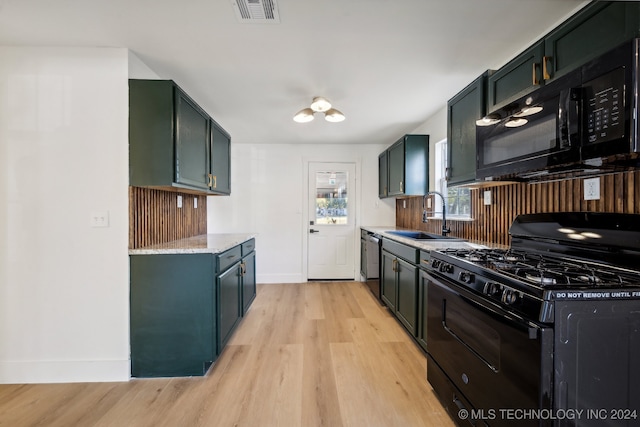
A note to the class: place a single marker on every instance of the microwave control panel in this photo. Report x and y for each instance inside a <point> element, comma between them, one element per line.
<point>604,107</point>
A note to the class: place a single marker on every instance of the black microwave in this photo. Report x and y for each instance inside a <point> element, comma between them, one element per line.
<point>582,120</point>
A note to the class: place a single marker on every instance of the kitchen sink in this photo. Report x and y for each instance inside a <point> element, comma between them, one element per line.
<point>420,235</point>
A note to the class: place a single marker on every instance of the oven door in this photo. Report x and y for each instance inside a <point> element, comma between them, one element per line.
<point>497,361</point>
<point>535,134</point>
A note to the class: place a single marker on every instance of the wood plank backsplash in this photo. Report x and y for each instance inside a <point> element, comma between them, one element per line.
<point>619,192</point>
<point>154,216</point>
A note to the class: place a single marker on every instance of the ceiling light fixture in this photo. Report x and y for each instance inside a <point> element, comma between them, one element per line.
<point>319,105</point>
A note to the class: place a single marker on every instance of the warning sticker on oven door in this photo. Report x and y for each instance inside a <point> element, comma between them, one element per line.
<point>595,295</point>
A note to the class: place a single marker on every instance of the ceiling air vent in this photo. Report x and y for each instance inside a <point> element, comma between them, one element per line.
<point>256,11</point>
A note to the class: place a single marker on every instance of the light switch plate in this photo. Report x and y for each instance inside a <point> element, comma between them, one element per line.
<point>99,219</point>
<point>179,201</point>
<point>487,197</point>
<point>195,203</point>
<point>592,189</point>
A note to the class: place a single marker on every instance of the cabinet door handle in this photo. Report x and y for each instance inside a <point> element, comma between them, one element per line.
<point>394,265</point>
<point>210,180</point>
<point>401,190</point>
<point>545,67</point>
<point>243,269</point>
<point>535,80</point>
<point>215,181</point>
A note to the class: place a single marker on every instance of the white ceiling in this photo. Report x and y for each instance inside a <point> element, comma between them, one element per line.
<point>388,65</point>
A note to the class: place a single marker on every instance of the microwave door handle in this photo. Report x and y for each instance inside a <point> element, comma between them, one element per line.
<point>569,117</point>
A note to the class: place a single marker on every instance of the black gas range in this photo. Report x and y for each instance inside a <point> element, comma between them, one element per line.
<point>550,324</point>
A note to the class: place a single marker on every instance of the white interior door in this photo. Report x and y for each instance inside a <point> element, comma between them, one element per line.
<point>331,222</point>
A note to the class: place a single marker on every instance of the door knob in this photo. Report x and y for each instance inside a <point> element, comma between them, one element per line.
<point>314,231</point>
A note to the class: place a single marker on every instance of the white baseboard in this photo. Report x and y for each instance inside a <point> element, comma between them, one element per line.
<point>68,371</point>
<point>280,278</point>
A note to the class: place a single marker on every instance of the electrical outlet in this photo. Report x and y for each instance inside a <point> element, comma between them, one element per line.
<point>99,219</point>
<point>429,203</point>
<point>592,189</point>
<point>179,201</point>
<point>404,204</point>
<point>487,197</point>
<point>195,203</point>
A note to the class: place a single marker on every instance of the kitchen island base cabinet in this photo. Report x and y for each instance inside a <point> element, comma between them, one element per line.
<point>186,307</point>
<point>173,324</point>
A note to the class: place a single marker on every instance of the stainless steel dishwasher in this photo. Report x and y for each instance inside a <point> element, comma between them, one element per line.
<point>370,261</point>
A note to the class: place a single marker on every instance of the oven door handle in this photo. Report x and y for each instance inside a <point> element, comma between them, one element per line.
<point>478,355</point>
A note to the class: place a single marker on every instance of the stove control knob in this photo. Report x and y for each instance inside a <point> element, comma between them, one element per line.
<point>466,277</point>
<point>492,289</point>
<point>509,296</point>
<point>446,268</point>
<point>435,264</point>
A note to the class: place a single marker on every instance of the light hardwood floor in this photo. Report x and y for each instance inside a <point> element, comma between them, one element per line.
<point>312,354</point>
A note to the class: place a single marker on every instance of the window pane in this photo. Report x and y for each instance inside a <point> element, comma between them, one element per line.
<point>331,198</point>
<point>458,199</point>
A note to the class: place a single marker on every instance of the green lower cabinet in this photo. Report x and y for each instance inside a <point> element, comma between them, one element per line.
<point>399,291</point>
<point>388,280</point>
<point>422,310</point>
<point>185,307</point>
<point>229,288</point>
<point>173,322</point>
<point>407,305</point>
<point>248,281</point>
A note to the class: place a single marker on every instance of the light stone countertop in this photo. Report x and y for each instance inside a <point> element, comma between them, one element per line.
<point>202,244</point>
<point>426,245</point>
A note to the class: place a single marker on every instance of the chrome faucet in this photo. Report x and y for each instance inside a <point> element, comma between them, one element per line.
<point>445,230</point>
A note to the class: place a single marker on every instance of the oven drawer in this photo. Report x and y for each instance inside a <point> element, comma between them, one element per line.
<point>494,358</point>
<point>458,407</point>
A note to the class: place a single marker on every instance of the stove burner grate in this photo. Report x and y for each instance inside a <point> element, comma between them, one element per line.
<point>541,270</point>
<point>541,279</point>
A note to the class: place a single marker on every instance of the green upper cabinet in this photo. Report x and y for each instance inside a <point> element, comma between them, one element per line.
<point>520,76</point>
<point>396,168</point>
<point>462,112</point>
<point>174,143</point>
<point>383,178</point>
<point>192,142</point>
<point>220,160</point>
<point>408,166</point>
<point>592,31</point>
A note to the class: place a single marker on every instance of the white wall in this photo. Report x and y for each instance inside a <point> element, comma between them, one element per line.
<point>436,127</point>
<point>268,196</point>
<point>64,286</point>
